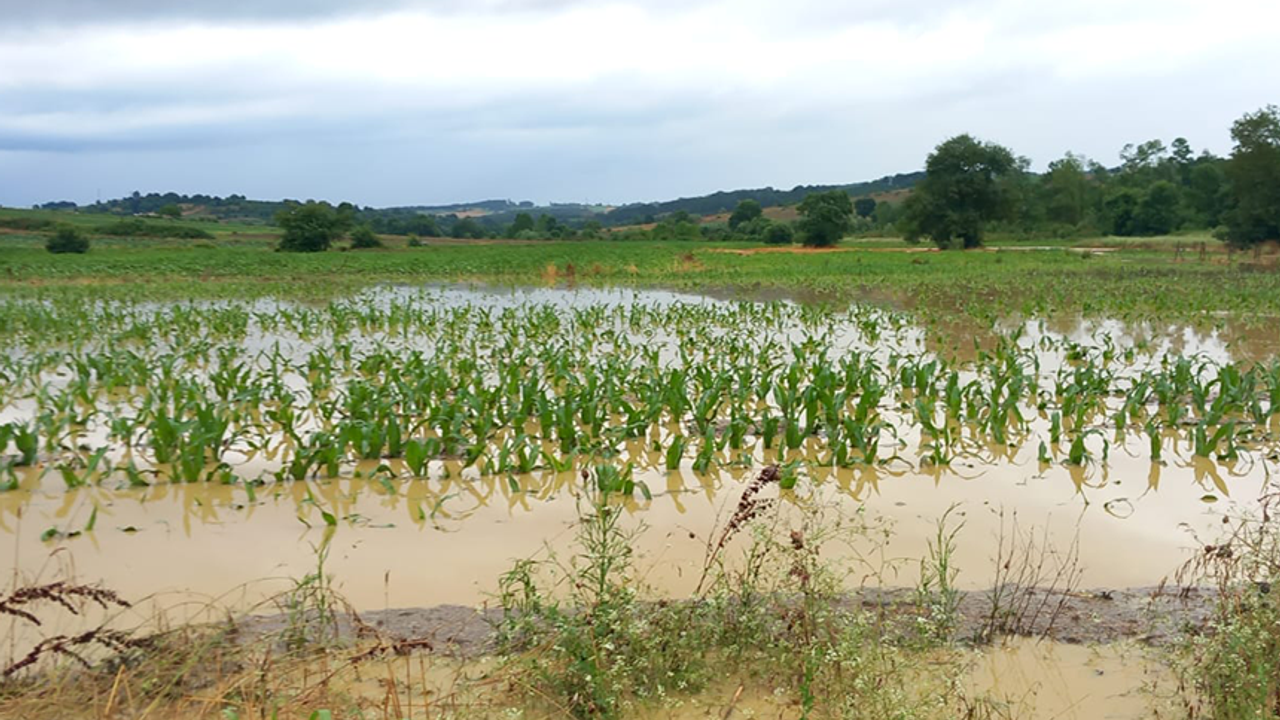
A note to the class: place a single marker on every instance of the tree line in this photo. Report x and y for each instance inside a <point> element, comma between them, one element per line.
<point>973,187</point>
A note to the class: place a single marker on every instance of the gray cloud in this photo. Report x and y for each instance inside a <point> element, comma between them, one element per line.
<point>570,100</point>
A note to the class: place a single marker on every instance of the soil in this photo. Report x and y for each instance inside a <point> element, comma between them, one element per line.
<point>1150,616</point>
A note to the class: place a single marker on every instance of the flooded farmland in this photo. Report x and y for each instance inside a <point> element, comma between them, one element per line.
<point>418,442</point>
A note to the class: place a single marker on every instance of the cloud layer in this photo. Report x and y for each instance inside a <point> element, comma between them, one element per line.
<point>404,101</point>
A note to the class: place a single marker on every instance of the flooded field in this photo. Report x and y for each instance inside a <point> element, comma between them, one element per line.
<point>414,443</point>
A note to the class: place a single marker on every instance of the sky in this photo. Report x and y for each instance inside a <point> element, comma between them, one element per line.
<point>418,102</point>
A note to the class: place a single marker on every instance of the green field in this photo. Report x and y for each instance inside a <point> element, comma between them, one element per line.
<point>1128,278</point>
<point>564,429</point>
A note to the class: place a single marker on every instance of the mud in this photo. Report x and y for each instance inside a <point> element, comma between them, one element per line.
<point>1152,617</point>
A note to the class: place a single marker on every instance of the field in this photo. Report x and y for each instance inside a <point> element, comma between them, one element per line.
<point>608,479</point>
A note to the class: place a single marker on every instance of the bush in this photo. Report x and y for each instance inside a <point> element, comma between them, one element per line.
<point>779,234</point>
<point>27,223</point>
<point>67,239</point>
<point>415,241</point>
<point>141,228</point>
<point>825,217</point>
<point>310,227</point>
<point>363,238</point>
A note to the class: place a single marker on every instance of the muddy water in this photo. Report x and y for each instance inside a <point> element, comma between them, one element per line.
<point>191,550</point>
<point>1055,681</point>
<point>428,542</point>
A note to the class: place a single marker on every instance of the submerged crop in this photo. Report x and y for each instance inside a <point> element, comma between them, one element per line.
<point>431,383</point>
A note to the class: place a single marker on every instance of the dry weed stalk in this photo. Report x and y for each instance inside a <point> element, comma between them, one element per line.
<point>1032,583</point>
<point>750,506</point>
<point>71,597</point>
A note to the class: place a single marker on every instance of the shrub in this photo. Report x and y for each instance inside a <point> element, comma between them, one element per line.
<point>779,234</point>
<point>311,227</point>
<point>27,223</point>
<point>141,228</point>
<point>363,238</point>
<point>415,241</point>
<point>67,239</point>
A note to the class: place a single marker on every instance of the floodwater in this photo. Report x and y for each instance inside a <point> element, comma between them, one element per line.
<point>1057,681</point>
<point>186,549</point>
<point>417,543</point>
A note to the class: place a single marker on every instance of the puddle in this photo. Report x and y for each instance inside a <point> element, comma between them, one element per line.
<point>1033,680</point>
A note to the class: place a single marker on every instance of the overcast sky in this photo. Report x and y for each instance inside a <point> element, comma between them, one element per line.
<point>397,102</point>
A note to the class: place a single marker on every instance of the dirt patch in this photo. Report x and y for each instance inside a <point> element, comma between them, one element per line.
<point>1151,616</point>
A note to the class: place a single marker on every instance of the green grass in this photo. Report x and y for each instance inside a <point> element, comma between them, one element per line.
<point>1128,283</point>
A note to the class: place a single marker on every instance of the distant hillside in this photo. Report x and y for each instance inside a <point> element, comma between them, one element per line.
<point>726,201</point>
<point>474,209</point>
<point>489,213</point>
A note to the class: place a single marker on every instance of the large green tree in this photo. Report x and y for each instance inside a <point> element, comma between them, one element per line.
<point>966,185</point>
<point>1254,173</point>
<point>1067,190</point>
<point>745,212</point>
<point>522,223</point>
<point>825,217</point>
<point>310,227</point>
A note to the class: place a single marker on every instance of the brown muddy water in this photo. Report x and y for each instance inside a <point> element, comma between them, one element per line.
<point>188,552</point>
<point>435,542</point>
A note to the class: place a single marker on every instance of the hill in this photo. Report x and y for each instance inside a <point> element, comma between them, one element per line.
<point>490,213</point>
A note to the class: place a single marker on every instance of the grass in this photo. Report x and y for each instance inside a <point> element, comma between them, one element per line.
<point>985,285</point>
<point>1230,669</point>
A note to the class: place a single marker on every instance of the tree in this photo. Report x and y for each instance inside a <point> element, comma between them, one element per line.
<point>522,223</point>
<point>1121,208</point>
<point>779,234</point>
<point>755,228</point>
<point>746,211</point>
<point>1207,191</point>
<point>172,210</point>
<point>547,225</point>
<point>67,239</point>
<point>346,214</point>
<point>864,207</point>
<point>966,185</point>
<point>1254,173</point>
<point>825,217</point>
<point>1157,212</point>
<point>1182,159</point>
<point>363,238</point>
<point>467,228</point>
<point>1066,188</point>
<point>309,227</point>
